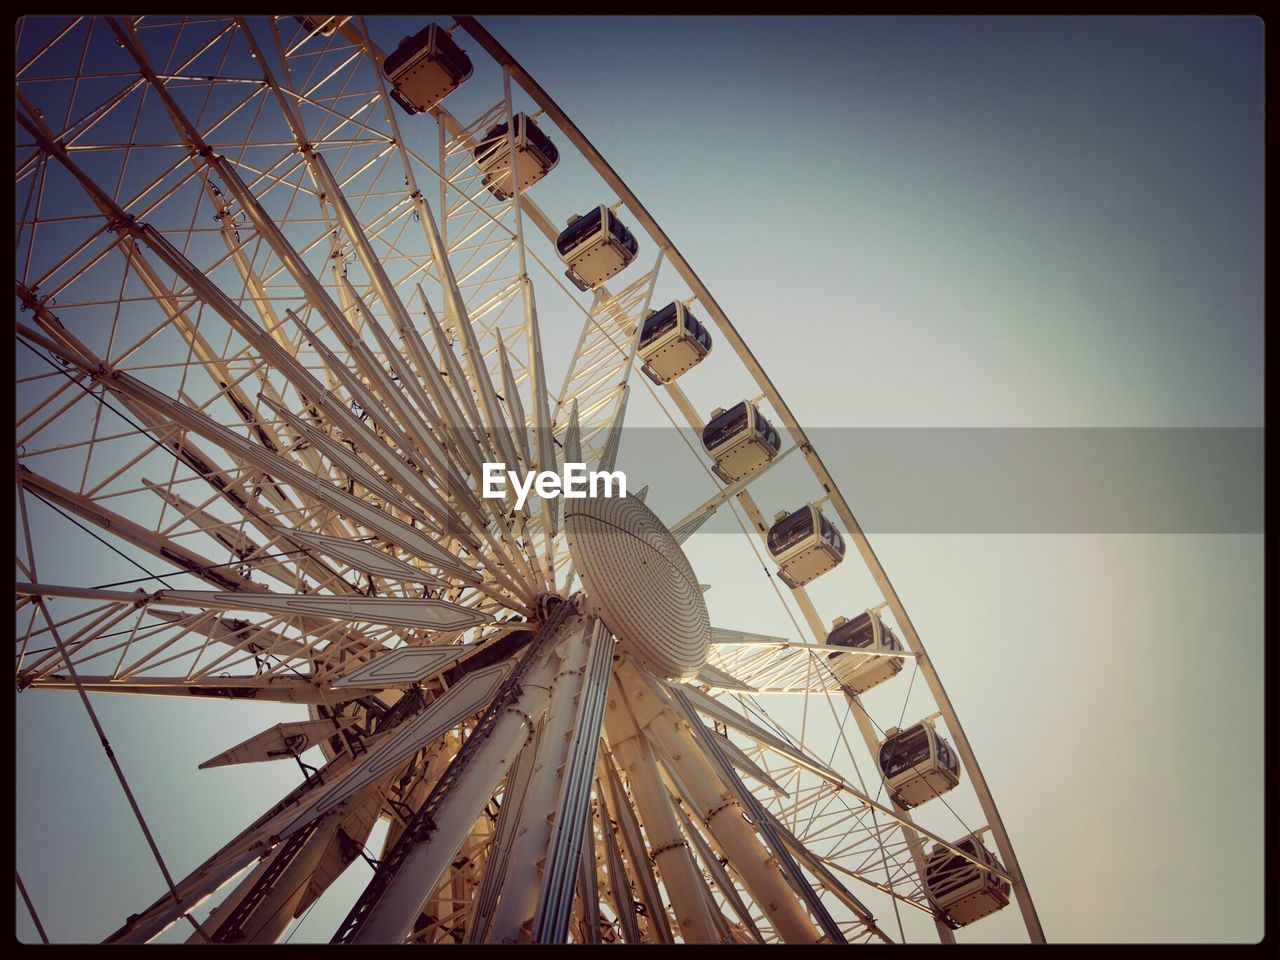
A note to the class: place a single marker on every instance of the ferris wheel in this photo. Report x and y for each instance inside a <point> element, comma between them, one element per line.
<point>284,289</point>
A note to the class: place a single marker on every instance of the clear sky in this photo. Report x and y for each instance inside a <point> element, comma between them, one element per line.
<point>1037,222</point>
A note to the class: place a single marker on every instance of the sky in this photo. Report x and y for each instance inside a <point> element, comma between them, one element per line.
<point>922,223</point>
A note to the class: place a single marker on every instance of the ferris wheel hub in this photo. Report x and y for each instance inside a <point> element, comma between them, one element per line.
<point>641,584</point>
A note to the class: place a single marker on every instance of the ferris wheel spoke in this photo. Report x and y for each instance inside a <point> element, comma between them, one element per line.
<point>124,529</point>
<point>622,810</point>
<point>389,611</point>
<point>702,788</point>
<point>781,835</point>
<point>608,458</point>
<point>772,830</point>
<point>828,879</point>
<point>668,849</point>
<point>541,401</point>
<point>739,758</point>
<point>573,436</point>
<point>443,713</point>
<point>392,530</point>
<point>718,874</point>
<point>254,641</point>
<point>685,527</point>
<point>232,536</point>
<point>274,690</point>
<point>714,708</point>
<point>402,447</point>
<point>437,425</point>
<point>456,315</point>
<point>515,410</point>
<point>375,562</point>
<point>571,448</point>
<point>265,642</point>
<point>717,679</point>
<point>396,895</point>
<point>450,388</point>
<point>350,463</point>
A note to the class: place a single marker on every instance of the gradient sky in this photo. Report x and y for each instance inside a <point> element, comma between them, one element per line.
<point>917,222</point>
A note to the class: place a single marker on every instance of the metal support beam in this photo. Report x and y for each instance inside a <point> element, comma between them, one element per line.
<point>394,899</point>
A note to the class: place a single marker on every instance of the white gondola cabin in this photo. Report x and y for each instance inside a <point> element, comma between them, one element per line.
<point>805,545</point>
<point>535,156</point>
<point>425,69</point>
<point>740,441</point>
<point>672,341</point>
<point>866,632</point>
<point>959,890</point>
<point>918,764</point>
<point>595,247</point>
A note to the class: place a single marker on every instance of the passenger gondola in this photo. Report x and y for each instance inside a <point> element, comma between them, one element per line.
<point>959,890</point>
<point>595,247</point>
<point>805,545</point>
<point>535,156</point>
<point>918,764</point>
<point>672,341</point>
<point>740,441</point>
<point>866,632</point>
<point>425,69</point>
